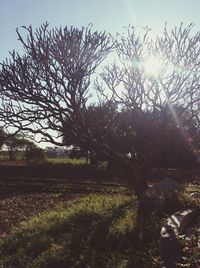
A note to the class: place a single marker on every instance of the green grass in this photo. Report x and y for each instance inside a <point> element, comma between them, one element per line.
<point>56,160</point>
<point>4,156</point>
<point>97,231</point>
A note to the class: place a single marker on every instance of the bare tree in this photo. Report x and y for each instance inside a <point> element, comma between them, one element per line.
<point>49,83</point>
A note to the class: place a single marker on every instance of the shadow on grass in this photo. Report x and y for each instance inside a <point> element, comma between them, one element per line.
<point>97,231</point>
<point>92,236</point>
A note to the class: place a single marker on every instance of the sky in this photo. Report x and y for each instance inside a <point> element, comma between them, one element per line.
<point>109,15</point>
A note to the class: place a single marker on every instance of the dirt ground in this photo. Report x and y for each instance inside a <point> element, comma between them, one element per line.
<point>24,192</point>
<point>17,208</point>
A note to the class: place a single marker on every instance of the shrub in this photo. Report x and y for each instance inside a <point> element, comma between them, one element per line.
<point>34,154</point>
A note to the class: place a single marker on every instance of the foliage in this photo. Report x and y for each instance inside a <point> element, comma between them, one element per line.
<point>2,137</point>
<point>56,151</point>
<point>157,108</point>
<point>34,154</point>
<point>53,86</point>
<point>139,118</point>
<point>77,153</point>
<point>142,120</point>
<point>169,144</point>
<point>14,143</point>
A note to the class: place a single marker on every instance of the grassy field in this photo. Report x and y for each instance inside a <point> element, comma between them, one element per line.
<point>4,156</point>
<point>59,160</point>
<point>60,222</point>
<point>93,232</point>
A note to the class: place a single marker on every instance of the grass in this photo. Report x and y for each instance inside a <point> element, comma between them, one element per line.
<point>73,161</point>
<point>4,156</point>
<point>97,231</point>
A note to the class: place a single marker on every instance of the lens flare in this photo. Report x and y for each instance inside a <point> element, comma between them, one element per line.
<point>152,65</point>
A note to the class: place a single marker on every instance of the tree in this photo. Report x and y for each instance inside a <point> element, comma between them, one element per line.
<point>101,126</point>
<point>14,143</point>
<point>48,89</point>
<point>56,151</point>
<point>174,145</point>
<point>172,81</point>
<point>34,154</point>
<point>50,82</point>
<point>2,137</point>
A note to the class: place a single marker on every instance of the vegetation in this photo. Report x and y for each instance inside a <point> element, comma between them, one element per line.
<point>138,114</point>
<point>131,118</point>
<point>94,232</point>
<point>16,147</point>
<point>66,160</point>
<point>34,154</point>
<point>97,231</point>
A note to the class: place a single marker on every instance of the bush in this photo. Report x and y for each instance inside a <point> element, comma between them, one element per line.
<point>34,154</point>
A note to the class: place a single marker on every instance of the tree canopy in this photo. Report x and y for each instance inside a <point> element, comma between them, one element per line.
<point>144,96</point>
<point>50,81</point>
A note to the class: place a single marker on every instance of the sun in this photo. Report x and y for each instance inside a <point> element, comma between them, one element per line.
<point>152,65</point>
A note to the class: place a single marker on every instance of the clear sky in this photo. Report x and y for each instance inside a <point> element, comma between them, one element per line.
<point>109,15</point>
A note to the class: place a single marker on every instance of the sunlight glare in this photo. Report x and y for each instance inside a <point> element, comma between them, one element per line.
<point>152,65</point>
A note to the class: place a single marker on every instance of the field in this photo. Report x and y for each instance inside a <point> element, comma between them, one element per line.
<point>4,159</point>
<point>66,216</point>
<point>23,196</point>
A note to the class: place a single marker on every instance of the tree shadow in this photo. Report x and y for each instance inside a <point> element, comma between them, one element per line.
<point>89,239</point>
